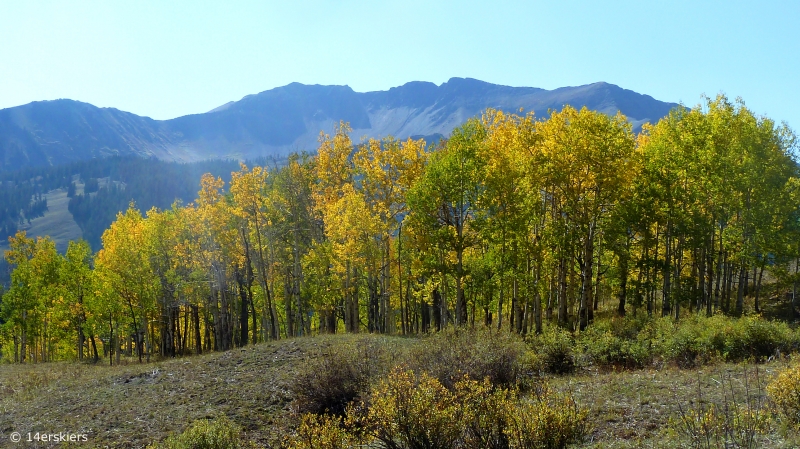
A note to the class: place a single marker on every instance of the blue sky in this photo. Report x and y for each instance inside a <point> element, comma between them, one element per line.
<point>165,59</point>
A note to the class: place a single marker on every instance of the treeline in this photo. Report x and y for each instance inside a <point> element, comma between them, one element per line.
<point>510,222</point>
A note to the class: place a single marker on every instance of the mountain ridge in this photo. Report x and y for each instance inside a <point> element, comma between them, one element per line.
<point>277,121</point>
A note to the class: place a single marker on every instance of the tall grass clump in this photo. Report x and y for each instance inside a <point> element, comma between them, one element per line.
<point>740,419</point>
<point>481,353</point>
<point>339,374</point>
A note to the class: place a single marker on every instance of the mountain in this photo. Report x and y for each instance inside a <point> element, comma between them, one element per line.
<point>285,119</point>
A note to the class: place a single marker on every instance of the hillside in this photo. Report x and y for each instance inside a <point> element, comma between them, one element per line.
<point>147,182</point>
<point>56,222</point>
<point>285,119</point>
<point>135,404</point>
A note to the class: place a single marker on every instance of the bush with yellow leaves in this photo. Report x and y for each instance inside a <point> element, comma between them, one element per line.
<point>548,420</point>
<point>323,432</point>
<point>784,392</point>
<point>415,412</point>
<point>220,433</point>
<point>411,411</point>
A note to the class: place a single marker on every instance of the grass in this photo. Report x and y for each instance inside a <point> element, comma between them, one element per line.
<point>637,409</point>
<point>133,405</point>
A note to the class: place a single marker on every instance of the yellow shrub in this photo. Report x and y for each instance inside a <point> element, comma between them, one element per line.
<point>410,411</point>
<point>487,413</point>
<point>221,433</point>
<point>419,413</point>
<point>784,392</point>
<point>547,421</point>
<point>321,432</point>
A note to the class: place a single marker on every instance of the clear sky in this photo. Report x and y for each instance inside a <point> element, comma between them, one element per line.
<point>165,59</point>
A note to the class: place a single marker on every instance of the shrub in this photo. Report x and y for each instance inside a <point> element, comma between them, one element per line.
<point>688,344</point>
<point>488,411</point>
<point>547,421</point>
<point>784,393</point>
<point>477,353</point>
<point>220,433</point>
<point>697,340</point>
<point>339,375</point>
<point>413,412</point>
<point>760,339</point>
<point>322,432</point>
<point>620,342</point>
<point>410,411</point>
<point>553,350</point>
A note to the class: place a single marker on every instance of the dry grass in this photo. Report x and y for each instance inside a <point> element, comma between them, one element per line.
<point>133,405</point>
<point>635,409</point>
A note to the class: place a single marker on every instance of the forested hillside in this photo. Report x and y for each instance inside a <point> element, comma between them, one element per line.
<point>511,222</point>
<point>147,182</point>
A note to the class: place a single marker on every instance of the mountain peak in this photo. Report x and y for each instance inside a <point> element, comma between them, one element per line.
<point>287,118</point>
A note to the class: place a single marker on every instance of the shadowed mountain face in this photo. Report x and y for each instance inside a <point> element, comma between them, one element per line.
<point>286,119</point>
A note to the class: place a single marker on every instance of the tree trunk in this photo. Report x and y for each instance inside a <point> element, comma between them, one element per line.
<point>287,303</point>
<point>461,300</point>
<point>586,278</point>
<point>244,319</point>
<point>438,319</point>
<point>96,356</point>
<point>623,283</point>
<point>758,286</point>
<point>666,292</point>
<point>562,291</point>
<point>741,281</point>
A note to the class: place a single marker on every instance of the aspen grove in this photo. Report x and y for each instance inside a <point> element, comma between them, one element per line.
<point>510,222</point>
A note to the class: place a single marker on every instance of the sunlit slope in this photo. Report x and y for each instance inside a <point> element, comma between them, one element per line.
<point>57,222</point>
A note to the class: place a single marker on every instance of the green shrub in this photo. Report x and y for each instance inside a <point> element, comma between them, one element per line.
<point>339,375</point>
<point>220,433</point>
<point>760,339</point>
<point>784,393</point>
<point>697,340</point>
<point>619,342</point>
<point>480,353</point>
<point>553,350</point>
<point>688,344</point>
<point>637,342</point>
